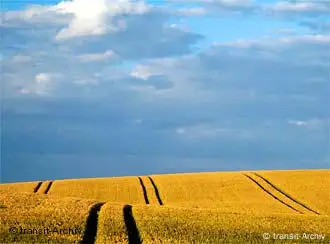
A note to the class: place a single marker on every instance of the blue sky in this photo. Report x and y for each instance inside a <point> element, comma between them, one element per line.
<point>108,87</point>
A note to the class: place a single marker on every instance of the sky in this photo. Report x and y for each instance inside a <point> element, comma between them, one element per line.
<point>119,87</point>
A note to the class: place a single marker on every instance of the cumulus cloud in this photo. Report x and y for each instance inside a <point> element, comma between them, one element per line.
<point>79,17</point>
<point>30,46</point>
<point>224,100</point>
<point>96,18</point>
<point>276,56</point>
<point>42,85</point>
<point>96,36</point>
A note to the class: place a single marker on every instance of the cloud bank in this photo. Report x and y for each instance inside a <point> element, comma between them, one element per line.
<point>125,78</point>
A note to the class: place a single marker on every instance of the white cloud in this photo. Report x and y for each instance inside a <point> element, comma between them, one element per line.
<point>212,75</point>
<point>197,11</point>
<point>313,39</point>
<point>220,2</point>
<point>290,10</point>
<point>301,7</point>
<point>284,41</point>
<point>42,83</point>
<point>95,57</point>
<point>78,17</point>
<point>67,20</point>
<point>297,122</point>
<point>42,78</point>
<point>312,124</point>
<point>40,86</point>
<point>34,14</point>
<point>277,78</point>
<point>208,131</point>
<point>143,72</point>
<point>216,7</point>
<point>96,18</point>
<point>234,3</point>
<point>29,49</point>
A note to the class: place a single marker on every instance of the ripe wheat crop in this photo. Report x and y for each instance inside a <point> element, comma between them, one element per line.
<point>214,207</point>
<point>35,218</point>
<point>311,187</point>
<point>117,189</point>
<point>163,224</point>
<point>230,192</point>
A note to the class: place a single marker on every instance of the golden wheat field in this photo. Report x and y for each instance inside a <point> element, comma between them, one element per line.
<point>34,218</point>
<point>289,206</point>
<point>19,187</point>
<point>310,186</point>
<point>116,189</point>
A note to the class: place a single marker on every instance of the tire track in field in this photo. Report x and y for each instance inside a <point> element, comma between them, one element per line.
<point>271,194</point>
<point>156,191</point>
<point>131,227</point>
<point>144,190</point>
<point>35,190</point>
<point>286,194</point>
<point>48,187</point>
<point>91,224</point>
